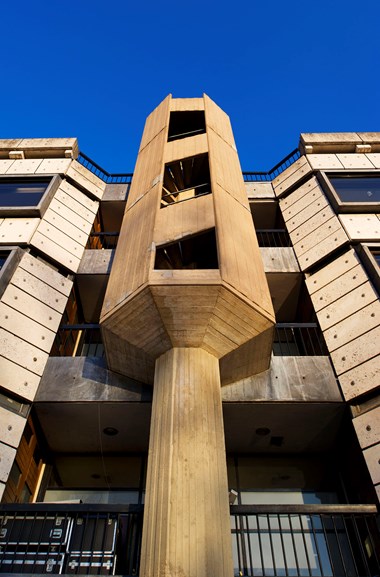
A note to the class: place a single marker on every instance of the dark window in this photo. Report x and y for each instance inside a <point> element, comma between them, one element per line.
<point>194,252</point>
<point>3,257</point>
<point>187,123</point>
<point>185,179</point>
<point>351,188</point>
<point>21,193</point>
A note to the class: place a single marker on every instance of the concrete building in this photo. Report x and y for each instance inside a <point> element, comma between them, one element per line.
<point>189,358</point>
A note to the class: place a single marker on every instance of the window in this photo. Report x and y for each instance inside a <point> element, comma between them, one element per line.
<point>26,196</point>
<point>186,179</point>
<point>352,192</point>
<point>194,252</point>
<point>186,123</point>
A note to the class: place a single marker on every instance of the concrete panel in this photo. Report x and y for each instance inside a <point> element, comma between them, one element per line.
<point>299,193</point>
<point>18,351</point>
<point>17,230</point>
<point>54,166</point>
<point>338,287</point>
<point>323,249</point>
<point>24,166</point>
<point>279,259</point>
<point>259,190</point>
<point>328,225</point>
<point>47,274</point>
<point>48,143</point>
<point>5,165</point>
<point>290,211</point>
<point>324,161</point>
<point>313,222</point>
<point>352,327</point>
<point>65,226</point>
<point>59,237</point>
<point>303,170</point>
<point>332,271</point>
<point>361,379</point>
<point>39,289</point>
<point>361,226</point>
<point>116,192</point>
<point>55,251</point>
<point>70,215</point>
<point>26,328</point>
<point>355,161</point>
<point>312,210</point>
<point>74,205</point>
<point>79,196</point>
<point>342,308</point>
<point>31,307</point>
<point>288,379</point>
<point>2,489</point>
<point>11,427</point>
<point>367,427</point>
<point>85,183</point>
<point>7,456</point>
<point>18,380</point>
<point>374,158</point>
<point>299,164</point>
<point>372,458</point>
<point>357,351</point>
<point>96,262</point>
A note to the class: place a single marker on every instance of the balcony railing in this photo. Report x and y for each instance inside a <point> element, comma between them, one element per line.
<point>290,339</point>
<point>126,177</point>
<point>267,540</point>
<point>298,339</point>
<point>102,240</point>
<point>273,237</point>
<point>305,540</point>
<point>71,539</point>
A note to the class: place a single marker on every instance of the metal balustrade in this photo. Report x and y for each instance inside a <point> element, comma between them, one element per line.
<point>273,237</point>
<point>298,339</point>
<point>102,240</point>
<point>290,339</point>
<point>267,540</point>
<point>72,539</point>
<point>305,540</point>
<point>126,178</point>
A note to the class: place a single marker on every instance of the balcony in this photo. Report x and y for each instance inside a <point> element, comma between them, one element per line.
<point>291,339</point>
<point>305,540</point>
<point>268,540</point>
<point>273,237</point>
<point>102,240</point>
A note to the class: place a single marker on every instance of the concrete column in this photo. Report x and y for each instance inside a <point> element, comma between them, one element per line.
<point>186,520</point>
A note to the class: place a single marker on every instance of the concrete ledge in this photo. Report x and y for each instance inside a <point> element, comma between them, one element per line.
<point>279,259</point>
<point>288,379</point>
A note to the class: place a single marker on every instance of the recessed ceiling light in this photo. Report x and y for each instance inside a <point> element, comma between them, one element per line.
<point>110,431</point>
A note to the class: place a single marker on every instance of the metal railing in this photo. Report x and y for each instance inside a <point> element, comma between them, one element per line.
<point>117,178</point>
<point>126,177</point>
<point>267,540</point>
<point>273,237</point>
<point>75,539</point>
<point>275,171</point>
<point>305,540</point>
<point>80,340</point>
<point>99,240</point>
<point>290,339</point>
<point>298,339</point>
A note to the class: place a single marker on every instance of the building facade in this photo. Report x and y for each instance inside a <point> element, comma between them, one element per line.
<point>189,358</point>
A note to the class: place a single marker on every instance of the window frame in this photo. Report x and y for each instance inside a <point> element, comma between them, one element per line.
<point>369,262</point>
<point>339,205</point>
<point>37,210</point>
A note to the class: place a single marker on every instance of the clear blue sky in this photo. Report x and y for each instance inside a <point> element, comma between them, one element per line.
<point>95,70</point>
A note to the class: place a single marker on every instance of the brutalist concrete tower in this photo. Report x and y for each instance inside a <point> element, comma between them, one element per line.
<point>187,309</point>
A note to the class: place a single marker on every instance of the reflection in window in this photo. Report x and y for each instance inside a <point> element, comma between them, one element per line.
<point>351,188</point>
<point>14,192</point>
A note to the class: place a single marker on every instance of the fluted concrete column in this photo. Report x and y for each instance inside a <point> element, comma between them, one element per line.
<point>186,529</point>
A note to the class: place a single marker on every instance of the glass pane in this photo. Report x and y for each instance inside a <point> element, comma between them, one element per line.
<point>19,194</point>
<point>357,189</point>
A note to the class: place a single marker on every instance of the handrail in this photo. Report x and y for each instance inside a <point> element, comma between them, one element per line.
<point>126,177</point>
<point>304,509</point>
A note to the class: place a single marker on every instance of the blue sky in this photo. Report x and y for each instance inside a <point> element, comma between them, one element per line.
<point>96,69</point>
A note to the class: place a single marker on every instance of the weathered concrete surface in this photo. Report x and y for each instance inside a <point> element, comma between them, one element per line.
<point>288,379</point>
<point>96,261</point>
<point>278,259</point>
<point>70,379</point>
